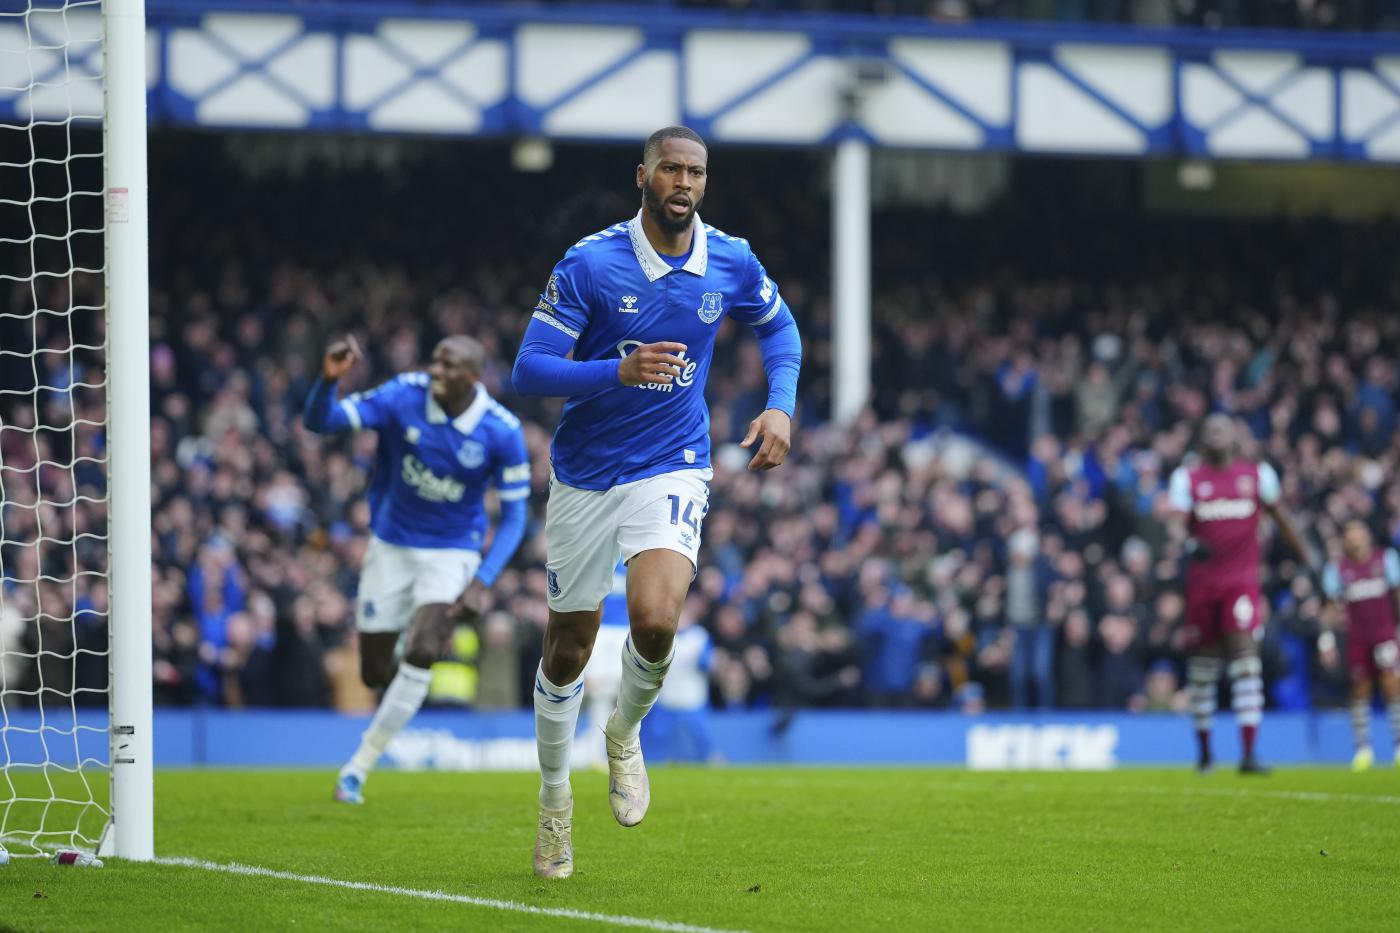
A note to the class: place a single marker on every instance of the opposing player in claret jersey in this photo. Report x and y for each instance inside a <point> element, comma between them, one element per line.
<point>1366,581</point>
<point>638,306</point>
<point>443,441</point>
<point>1217,504</point>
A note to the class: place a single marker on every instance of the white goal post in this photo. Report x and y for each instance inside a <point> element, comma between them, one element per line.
<point>75,519</point>
<point>129,430</point>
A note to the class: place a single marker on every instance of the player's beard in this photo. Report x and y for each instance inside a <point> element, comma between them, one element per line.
<point>657,208</point>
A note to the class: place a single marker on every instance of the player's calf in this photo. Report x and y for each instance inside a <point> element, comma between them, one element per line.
<point>401,702</point>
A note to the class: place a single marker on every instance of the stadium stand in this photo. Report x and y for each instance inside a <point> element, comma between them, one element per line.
<point>989,533</point>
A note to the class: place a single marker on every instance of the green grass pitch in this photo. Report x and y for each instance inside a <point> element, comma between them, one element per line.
<point>758,850</point>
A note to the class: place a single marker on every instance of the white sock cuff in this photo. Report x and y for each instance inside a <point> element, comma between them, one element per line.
<point>632,655</point>
<point>555,690</point>
<point>1245,667</point>
<point>555,702</point>
<point>415,675</point>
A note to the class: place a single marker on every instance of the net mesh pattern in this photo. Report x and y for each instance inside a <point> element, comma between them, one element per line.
<point>53,416</point>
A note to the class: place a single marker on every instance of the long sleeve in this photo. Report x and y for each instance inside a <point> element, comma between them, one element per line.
<point>542,367</point>
<point>781,346</point>
<point>322,414</point>
<point>508,537</point>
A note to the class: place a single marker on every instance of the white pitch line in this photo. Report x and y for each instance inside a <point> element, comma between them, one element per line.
<point>642,923</point>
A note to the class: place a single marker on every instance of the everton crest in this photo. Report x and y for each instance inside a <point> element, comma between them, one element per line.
<point>471,454</point>
<point>711,306</point>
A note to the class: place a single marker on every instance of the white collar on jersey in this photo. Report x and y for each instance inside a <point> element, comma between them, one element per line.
<point>467,421</point>
<point>652,263</point>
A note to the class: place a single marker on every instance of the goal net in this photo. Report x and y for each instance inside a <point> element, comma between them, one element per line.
<point>60,732</point>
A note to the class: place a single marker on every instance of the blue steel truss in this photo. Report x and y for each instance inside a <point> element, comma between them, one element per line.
<point>611,73</point>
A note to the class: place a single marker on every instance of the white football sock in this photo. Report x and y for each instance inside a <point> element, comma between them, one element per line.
<point>402,699</point>
<point>1203,676</point>
<point>1247,688</point>
<point>641,682</point>
<point>556,719</point>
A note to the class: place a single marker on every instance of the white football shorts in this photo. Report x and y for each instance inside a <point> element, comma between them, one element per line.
<point>587,530</point>
<point>396,580</point>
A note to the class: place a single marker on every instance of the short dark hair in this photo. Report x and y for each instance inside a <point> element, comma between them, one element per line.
<point>654,141</point>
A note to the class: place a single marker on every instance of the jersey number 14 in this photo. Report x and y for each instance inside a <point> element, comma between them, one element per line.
<point>689,516</point>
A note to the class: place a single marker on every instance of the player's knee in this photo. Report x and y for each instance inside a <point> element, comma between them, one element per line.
<point>421,654</point>
<point>653,630</point>
<point>566,652</point>
<point>566,658</point>
<point>376,672</point>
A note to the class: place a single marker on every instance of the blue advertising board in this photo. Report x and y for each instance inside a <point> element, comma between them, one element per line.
<point>464,740</point>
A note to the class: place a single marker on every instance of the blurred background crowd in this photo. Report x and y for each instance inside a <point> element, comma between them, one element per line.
<point>988,534</point>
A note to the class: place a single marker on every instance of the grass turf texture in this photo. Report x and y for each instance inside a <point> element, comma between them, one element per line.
<point>745,849</point>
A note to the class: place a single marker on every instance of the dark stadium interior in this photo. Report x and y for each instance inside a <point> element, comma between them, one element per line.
<point>1054,350</point>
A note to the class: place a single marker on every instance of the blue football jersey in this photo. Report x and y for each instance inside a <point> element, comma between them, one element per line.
<point>611,293</point>
<point>432,472</point>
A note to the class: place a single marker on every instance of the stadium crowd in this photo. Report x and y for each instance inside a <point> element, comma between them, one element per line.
<point>988,533</point>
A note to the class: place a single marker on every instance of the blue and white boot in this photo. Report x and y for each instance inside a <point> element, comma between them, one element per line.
<point>349,788</point>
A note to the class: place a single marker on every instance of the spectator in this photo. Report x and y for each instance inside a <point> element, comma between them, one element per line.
<point>1033,653</point>
<point>805,672</point>
<point>894,634</point>
<point>1120,676</point>
<point>1074,666</point>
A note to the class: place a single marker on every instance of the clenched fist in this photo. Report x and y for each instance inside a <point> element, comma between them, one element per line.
<point>652,364</point>
<point>340,356</point>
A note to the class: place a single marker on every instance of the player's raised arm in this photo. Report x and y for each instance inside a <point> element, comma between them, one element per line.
<point>780,343</point>
<point>321,412</point>
<point>324,414</point>
<point>340,356</point>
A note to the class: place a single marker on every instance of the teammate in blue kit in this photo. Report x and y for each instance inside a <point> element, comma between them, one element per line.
<point>442,441</point>
<point>626,329</point>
